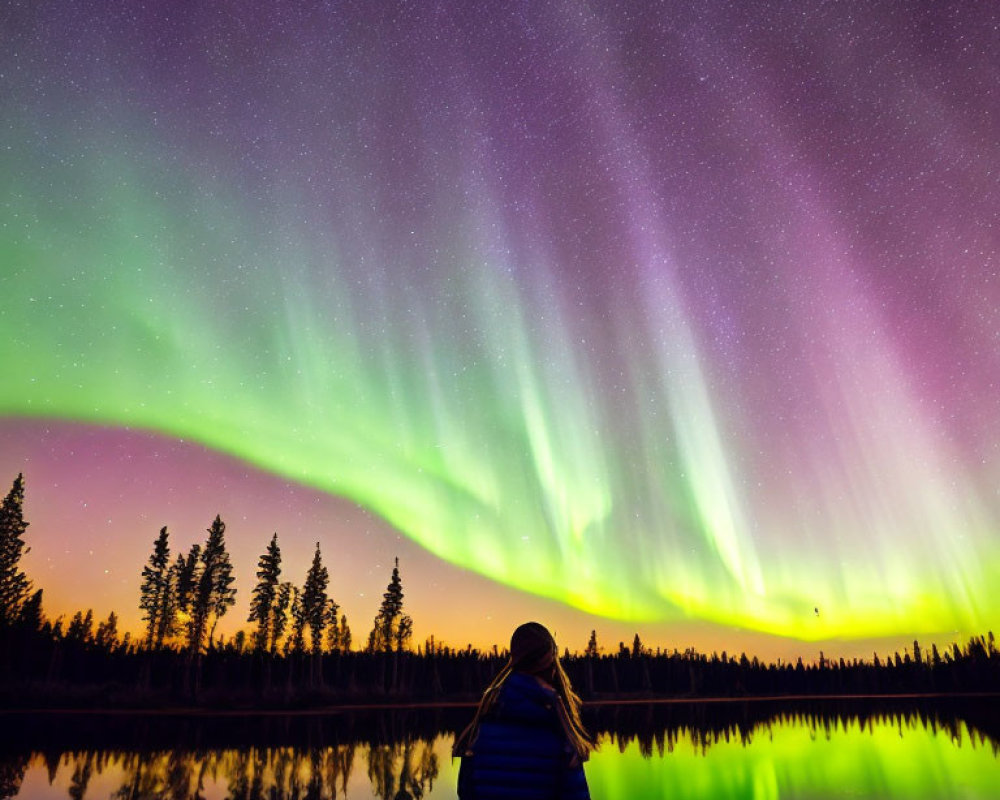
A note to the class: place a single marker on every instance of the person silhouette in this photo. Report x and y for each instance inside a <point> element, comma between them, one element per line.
<point>526,740</point>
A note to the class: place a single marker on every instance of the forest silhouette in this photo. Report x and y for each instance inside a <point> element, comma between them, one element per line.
<point>300,651</point>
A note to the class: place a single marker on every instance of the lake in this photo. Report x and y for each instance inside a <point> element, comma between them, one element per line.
<point>760,750</point>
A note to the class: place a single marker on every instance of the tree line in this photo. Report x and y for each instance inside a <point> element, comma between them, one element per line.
<point>186,597</point>
<point>182,600</point>
<point>300,649</point>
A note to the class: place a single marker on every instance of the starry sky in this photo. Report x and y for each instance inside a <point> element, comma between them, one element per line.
<point>669,316</point>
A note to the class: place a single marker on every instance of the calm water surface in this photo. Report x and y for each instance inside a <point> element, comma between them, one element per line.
<point>742,751</point>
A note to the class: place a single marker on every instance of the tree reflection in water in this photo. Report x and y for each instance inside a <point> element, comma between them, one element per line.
<point>400,754</point>
<point>12,771</point>
<point>396,771</point>
<point>660,728</point>
<point>403,776</point>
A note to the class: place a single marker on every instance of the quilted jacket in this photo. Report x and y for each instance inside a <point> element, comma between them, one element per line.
<point>521,752</point>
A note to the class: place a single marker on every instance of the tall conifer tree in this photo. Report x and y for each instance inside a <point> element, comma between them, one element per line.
<point>345,634</point>
<point>385,632</point>
<point>81,627</point>
<point>264,597</point>
<point>107,632</point>
<point>280,620</point>
<point>166,614</point>
<point>14,584</point>
<point>332,626</point>
<point>31,616</point>
<point>297,641</point>
<point>155,584</point>
<point>314,601</point>
<point>214,593</point>
<point>187,572</point>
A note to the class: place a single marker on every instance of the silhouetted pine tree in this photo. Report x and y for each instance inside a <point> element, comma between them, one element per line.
<point>592,649</point>
<point>332,626</point>
<point>282,604</point>
<point>14,583</point>
<point>264,596</point>
<point>345,634</point>
<point>314,601</point>
<point>223,591</point>
<point>384,631</point>
<point>391,630</point>
<point>214,593</point>
<point>107,632</point>
<point>403,633</point>
<point>31,617</point>
<point>187,576</point>
<point>155,586</point>
<point>297,641</point>
<point>81,627</point>
<point>166,614</point>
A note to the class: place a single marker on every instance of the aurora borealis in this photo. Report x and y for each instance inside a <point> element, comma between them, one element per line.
<point>666,312</point>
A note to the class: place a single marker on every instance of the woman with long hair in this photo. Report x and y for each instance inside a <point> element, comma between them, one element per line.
<point>526,739</point>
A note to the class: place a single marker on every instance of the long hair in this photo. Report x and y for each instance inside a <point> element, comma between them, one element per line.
<point>569,712</point>
<point>532,657</point>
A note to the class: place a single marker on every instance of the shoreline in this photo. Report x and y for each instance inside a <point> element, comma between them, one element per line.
<point>347,708</point>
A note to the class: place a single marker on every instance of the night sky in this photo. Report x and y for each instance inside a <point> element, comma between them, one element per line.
<point>672,317</point>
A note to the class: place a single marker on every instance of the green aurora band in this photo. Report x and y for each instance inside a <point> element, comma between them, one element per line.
<point>488,444</point>
<point>609,438</point>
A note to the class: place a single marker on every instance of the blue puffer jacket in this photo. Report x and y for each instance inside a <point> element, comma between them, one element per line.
<point>521,752</point>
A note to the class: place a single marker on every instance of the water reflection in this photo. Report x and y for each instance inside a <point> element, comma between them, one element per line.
<point>749,750</point>
<point>660,728</point>
<point>883,756</point>
<point>392,772</point>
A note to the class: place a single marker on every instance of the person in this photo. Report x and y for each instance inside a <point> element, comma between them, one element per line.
<point>526,740</point>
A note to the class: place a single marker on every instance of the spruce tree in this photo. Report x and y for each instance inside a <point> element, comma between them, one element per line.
<point>176,619</point>
<point>314,601</point>
<point>14,584</point>
<point>403,633</point>
<point>31,616</point>
<point>107,632</point>
<point>155,584</point>
<point>332,626</point>
<point>264,596</point>
<point>345,634</point>
<point>81,627</point>
<point>385,630</point>
<point>187,574</point>
<point>280,619</point>
<point>592,649</point>
<point>223,591</point>
<point>213,594</point>
<point>297,641</point>
<point>166,614</point>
